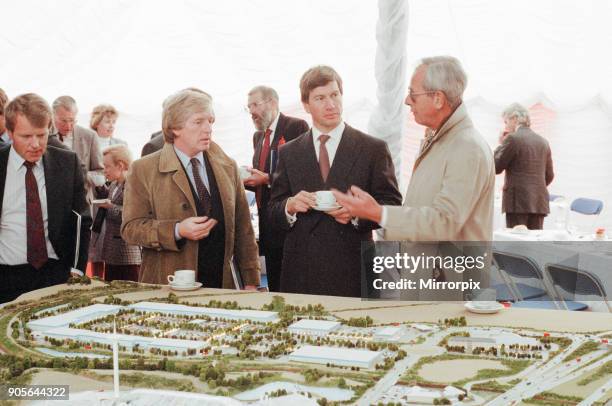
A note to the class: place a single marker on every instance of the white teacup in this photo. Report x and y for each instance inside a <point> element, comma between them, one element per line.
<point>325,198</point>
<point>244,172</point>
<point>182,277</point>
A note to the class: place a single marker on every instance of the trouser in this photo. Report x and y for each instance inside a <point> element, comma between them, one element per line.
<point>121,272</point>
<point>16,280</point>
<point>531,220</point>
<point>274,263</point>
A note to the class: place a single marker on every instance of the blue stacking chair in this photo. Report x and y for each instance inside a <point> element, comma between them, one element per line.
<point>591,207</point>
<point>576,282</point>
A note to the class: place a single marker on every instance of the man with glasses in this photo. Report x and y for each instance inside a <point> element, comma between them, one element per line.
<point>81,140</point>
<point>273,130</point>
<point>450,195</point>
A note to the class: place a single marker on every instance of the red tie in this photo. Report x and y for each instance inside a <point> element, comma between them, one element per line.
<point>263,156</point>
<point>37,245</point>
<point>324,157</point>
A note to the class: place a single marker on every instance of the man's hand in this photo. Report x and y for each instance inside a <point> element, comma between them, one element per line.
<point>301,202</point>
<point>341,215</point>
<point>503,135</point>
<point>359,204</point>
<point>257,178</point>
<point>196,228</point>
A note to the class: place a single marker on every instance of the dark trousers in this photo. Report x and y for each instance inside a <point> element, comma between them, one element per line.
<point>274,263</point>
<point>121,272</point>
<point>16,280</point>
<point>531,220</point>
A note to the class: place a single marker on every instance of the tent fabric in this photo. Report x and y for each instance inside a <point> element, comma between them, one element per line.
<point>549,55</point>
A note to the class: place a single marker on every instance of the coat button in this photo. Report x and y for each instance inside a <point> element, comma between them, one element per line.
<point>185,206</point>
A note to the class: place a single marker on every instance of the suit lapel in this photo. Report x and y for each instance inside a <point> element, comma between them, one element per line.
<point>258,144</point>
<point>221,169</point>
<point>4,154</point>
<point>346,155</point>
<point>307,164</point>
<point>279,131</point>
<point>55,190</point>
<point>169,162</point>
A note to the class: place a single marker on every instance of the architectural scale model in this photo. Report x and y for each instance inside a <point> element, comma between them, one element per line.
<point>223,347</point>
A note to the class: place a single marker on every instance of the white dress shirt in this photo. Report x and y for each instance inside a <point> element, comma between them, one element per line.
<point>332,143</point>
<point>186,161</point>
<point>13,226</point>
<point>5,137</point>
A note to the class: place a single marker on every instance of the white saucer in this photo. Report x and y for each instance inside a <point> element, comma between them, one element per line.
<point>327,208</point>
<point>483,310</point>
<point>196,285</point>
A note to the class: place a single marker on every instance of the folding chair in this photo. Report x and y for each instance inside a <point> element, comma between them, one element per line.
<point>575,282</point>
<point>513,266</point>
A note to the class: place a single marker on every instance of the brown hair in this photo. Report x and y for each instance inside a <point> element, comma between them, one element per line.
<point>31,106</point>
<point>99,112</point>
<point>318,76</point>
<point>179,107</point>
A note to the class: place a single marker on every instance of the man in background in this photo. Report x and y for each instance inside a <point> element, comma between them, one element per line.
<point>41,195</point>
<point>527,160</point>
<point>273,130</point>
<point>81,140</point>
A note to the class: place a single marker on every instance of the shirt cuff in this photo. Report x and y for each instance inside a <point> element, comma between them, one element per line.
<point>383,217</point>
<point>355,222</point>
<point>177,235</point>
<point>291,218</point>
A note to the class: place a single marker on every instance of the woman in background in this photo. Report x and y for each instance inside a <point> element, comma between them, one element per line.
<point>121,261</point>
<point>103,120</point>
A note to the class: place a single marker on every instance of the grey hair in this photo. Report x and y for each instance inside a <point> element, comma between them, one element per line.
<point>445,74</point>
<point>265,91</point>
<point>521,113</point>
<point>66,102</point>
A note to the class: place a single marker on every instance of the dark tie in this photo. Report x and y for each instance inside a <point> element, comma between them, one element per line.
<point>205,198</point>
<point>263,156</point>
<point>323,156</point>
<point>37,245</point>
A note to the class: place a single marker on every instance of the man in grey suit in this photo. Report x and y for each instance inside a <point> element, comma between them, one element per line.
<point>527,160</point>
<point>79,139</point>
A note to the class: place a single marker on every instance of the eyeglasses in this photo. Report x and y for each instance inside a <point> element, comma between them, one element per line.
<point>412,95</point>
<point>251,106</point>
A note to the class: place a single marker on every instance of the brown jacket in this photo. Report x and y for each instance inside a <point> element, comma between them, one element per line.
<point>157,196</point>
<point>526,158</point>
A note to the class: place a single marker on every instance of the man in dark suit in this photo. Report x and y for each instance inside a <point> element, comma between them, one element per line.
<point>322,252</point>
<point>527,160</point>
<point>273,129</point>
<point>40,187</point>
<point>155,144</point>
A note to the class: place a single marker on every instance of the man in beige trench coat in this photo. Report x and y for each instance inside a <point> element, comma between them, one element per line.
<point>185,204</point>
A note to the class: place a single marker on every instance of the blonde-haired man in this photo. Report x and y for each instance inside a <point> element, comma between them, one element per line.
<point>185,204</point>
